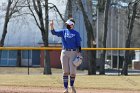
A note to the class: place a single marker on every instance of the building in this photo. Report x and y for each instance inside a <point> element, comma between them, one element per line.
<point>33,58</point>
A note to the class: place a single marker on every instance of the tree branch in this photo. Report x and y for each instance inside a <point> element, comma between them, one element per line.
<point>35,7</point>
<point>54,6</point>
<point>22,15</point>
<point>33,14</point>
<point>13,9</point>
<point>40,14</point>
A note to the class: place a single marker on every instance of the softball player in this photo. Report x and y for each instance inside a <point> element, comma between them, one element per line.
<point>71,47</point>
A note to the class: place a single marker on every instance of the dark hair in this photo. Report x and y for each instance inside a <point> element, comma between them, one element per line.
<point>71,19</point>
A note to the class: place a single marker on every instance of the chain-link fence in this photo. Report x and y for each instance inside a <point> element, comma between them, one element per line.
<point>26,60</point>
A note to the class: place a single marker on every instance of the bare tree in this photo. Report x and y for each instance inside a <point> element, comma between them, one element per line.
<point>90,40</point>
<point>39,6</point>
<point>102,70</point>
<point>10,11</point>
<point>131,20</point>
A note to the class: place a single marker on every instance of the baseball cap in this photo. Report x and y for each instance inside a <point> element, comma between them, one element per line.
<point>70,21</point>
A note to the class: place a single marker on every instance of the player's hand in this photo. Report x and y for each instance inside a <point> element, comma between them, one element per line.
<point>52,25</point>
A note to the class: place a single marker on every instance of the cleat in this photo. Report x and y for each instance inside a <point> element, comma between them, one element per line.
<point>73,89</point>
<point>66,91</point>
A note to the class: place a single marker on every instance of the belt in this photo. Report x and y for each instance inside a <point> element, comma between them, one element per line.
<point>69,49</point>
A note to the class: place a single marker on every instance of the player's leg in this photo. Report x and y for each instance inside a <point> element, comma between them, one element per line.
<point>72,71</point>
<point>65,67</point>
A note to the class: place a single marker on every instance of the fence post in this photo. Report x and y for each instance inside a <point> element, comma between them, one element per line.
<point>28,63</point>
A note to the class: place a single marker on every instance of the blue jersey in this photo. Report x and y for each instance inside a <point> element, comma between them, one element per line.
<point>70,38</point>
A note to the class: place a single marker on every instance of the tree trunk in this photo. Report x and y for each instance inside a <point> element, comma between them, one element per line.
<point>128,41</point>
<point>5,23</point>
<point>47,65</point>
<point>19,58</point>
<point>101,5</point>
<point>102,67</point>
<point>69,8</point>
<point>43,28</point>
<point>90,41</point>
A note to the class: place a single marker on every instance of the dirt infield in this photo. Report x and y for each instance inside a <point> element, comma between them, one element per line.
<point>14,89</point>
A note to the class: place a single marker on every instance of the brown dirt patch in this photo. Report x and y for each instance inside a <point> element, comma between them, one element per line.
<point>14,89</point>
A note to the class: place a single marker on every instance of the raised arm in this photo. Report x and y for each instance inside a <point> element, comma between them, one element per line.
<point>52,25</point>
<point>57,33</point>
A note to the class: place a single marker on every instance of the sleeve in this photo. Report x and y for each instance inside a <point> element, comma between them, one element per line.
<point>58,33</point>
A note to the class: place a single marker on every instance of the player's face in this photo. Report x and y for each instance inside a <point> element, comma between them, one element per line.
<point>69,26</point>
<point>72,26</point>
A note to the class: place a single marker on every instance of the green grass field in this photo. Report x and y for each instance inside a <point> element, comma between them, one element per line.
<point>82,81</point>
<point>15,76</point>
<point>32,70</point>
